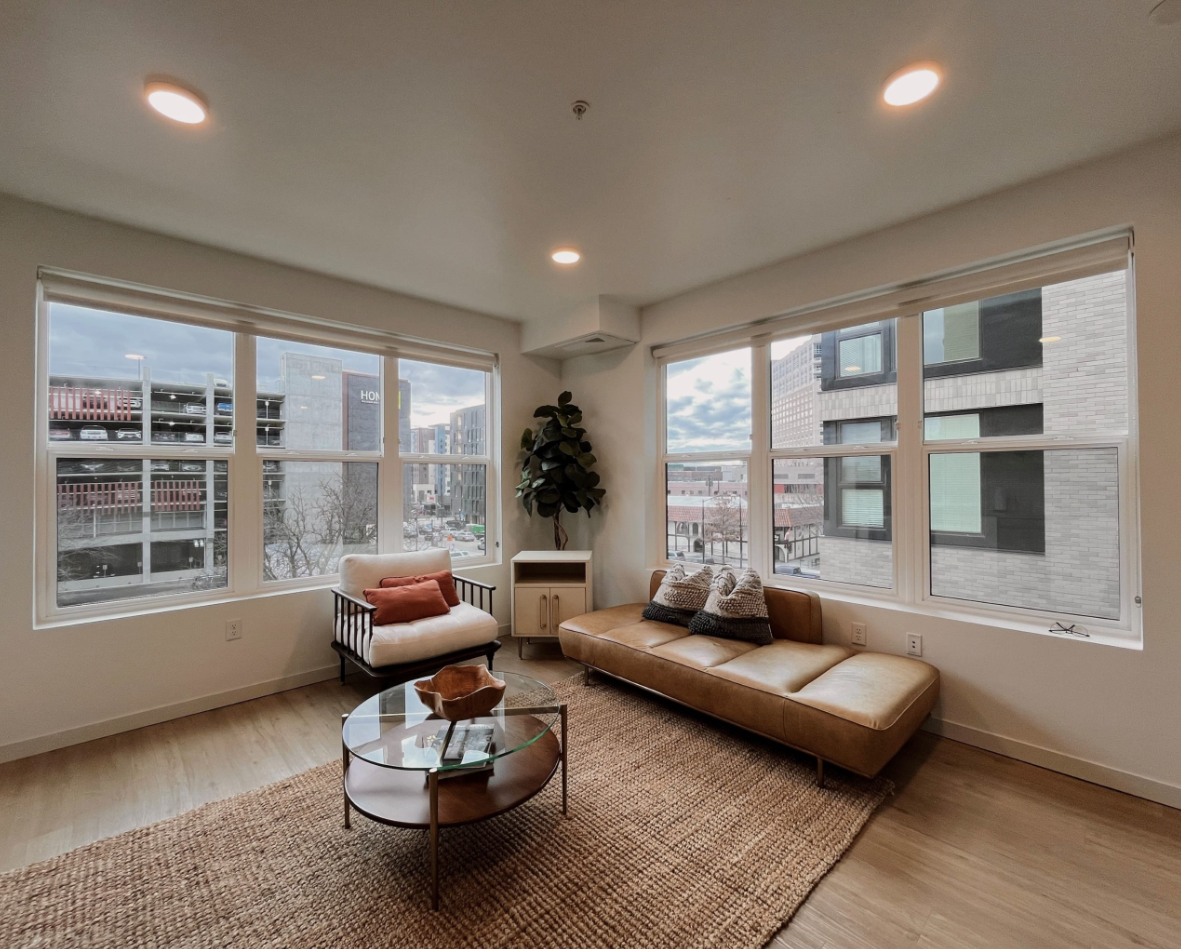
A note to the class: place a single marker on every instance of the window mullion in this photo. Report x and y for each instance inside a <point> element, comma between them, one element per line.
<point>389,471</point>
<point>910,514</point>
<point>245,475</point>
<point>758,475</point>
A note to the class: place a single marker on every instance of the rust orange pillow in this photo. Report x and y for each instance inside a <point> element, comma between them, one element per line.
<point>445,580</point>
<point>406,603</point>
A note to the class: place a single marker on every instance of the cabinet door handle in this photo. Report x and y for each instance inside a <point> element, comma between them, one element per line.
<point>543,603</point>
<point>554,607</point>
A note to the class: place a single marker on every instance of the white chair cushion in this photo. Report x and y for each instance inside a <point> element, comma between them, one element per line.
<point>464,626</point>
<point>361,572</point>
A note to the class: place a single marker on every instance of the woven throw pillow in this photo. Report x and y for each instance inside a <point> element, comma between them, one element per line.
<point>735,609</point>
<point>680,596</point>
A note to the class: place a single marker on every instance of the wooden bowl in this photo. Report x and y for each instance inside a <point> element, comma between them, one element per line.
<point>460,692</point>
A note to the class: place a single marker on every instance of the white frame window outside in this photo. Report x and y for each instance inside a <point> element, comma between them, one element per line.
<point>244,458</point>
<point>909,456</point>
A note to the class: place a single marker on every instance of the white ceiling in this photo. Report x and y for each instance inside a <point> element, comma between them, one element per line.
<point>429,146</point>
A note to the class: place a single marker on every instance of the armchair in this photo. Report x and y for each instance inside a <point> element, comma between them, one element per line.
<point>402,651</point>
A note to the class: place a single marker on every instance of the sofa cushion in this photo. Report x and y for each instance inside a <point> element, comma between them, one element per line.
<point>602,621</point>
<point>793,614</point>
<point>735,609</point>
<point>873,689</point>
<point>701,652</point>
<point>782,667</point>
<point>679,596</point>
<point>463,627</point>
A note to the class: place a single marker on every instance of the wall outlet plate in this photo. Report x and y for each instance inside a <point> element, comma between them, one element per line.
<point>860,634</point>
<point>233,629</point>
<point>914,644</point>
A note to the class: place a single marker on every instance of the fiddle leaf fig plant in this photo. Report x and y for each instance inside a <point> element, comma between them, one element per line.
<point>556,466</point>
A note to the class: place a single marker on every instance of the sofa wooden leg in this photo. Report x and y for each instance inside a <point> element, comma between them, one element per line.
<point>820,772</point>
<point>490,655</point>
<point>586,675</point>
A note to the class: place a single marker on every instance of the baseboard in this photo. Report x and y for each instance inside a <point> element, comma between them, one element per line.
<point>163,713</point>
<point>1135,784</point>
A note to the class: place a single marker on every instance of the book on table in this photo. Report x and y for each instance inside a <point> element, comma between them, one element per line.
<point>470,747</point>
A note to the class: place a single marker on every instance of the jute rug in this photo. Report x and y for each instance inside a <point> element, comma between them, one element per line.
<point>681,834</point>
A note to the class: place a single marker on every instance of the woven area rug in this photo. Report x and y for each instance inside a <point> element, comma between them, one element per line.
<point>682,834</point>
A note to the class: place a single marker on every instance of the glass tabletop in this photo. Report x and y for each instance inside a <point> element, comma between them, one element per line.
<point>394,729</point>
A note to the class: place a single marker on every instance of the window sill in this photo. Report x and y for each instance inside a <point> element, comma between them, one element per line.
<point>1020,621</point>
<point>1024,622</point>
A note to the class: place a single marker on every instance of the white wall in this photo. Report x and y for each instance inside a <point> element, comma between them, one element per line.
<point>1107,714</point>
<point>71,683</point>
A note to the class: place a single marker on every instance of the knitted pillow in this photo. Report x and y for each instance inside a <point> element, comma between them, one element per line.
<point>736,609</point>
<point>679,596</point>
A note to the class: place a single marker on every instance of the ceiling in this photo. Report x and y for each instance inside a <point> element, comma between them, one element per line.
<point>430,147</point>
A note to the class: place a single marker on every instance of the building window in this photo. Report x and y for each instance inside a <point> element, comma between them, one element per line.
<point>707,519</point>
<point>152,425</point>
<point>1017,450</point>
<point>951,334</point>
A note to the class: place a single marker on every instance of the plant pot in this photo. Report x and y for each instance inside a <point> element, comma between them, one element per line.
<point>460,692</point>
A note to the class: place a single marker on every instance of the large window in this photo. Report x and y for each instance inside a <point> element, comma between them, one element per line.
<point>185,459</point>
<point>1014,441</point>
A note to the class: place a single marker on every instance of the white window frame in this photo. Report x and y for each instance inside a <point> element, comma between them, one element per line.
<point>244,457</point>
<point>910,453</point>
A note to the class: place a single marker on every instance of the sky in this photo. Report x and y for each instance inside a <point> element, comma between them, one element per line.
<point>708,403</point>
<point>91,342</point>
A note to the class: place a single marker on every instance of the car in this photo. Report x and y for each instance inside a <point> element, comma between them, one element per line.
<point>465,535</point>
<point>272,466</point>
<point>135,403</point>
<point>90,466</point>
<point>194,408</point>
<point>456,554</point>
<point>224,408</point>
<point>165,437</point>
<point>128,435</point>
<point>192,466</point>
<point>161,465</point>
<point>194,437</point>
<point>59,433</point>
<point>223,438</point>
<point>93,433</point>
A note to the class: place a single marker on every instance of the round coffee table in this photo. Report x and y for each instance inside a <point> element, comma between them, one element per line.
<point>405,766</point>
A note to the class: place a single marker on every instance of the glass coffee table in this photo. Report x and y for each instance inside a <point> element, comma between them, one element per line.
<point>407,767</point>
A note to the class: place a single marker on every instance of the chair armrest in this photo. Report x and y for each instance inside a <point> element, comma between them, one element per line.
<point>363,604</point>
<point>467,590</point>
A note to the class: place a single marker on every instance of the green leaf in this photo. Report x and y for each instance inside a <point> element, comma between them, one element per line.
<point>586,459</point>
<point>529,506</point>
<point>564,398</point>
<point>575,418</point>
<point>571,505</point>
<point>585,446</point>
<point>546,410</point>
<point>576,474</point>
<point>527,440</point>
<point>567,449</point>
<point>570,432</point>
<point>592,478</point>
<point>596,493</point>
<point>547,510</point>
<point>548,463</point>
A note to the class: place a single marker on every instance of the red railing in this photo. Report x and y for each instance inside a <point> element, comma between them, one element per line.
<point>72,402</point>
<point>110,496</point>
<point>176,496</point>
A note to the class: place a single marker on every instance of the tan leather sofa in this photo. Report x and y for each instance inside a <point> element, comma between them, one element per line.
<point>852,708</point>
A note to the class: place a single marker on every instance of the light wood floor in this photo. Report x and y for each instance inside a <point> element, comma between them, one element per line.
<point>973,850</point>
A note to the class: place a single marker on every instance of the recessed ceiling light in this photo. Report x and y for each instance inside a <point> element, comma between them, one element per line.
<point>1049,339</point>
<point>566,256</point>
<point>176,102</point>
<point>912,84</point>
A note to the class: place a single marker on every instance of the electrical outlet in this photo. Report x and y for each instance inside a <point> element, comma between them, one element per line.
<point>233,629</point>
<point>914,644</point>
<point>860,634</point>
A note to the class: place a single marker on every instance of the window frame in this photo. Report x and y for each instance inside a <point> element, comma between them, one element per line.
<point>909,456</point>
<point>245,458</point>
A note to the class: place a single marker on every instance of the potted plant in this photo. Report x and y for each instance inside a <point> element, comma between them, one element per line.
<point>555,470</point>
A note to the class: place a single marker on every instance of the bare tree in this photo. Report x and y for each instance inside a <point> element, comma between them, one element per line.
<point>305,536</point>
<point>723,521</point>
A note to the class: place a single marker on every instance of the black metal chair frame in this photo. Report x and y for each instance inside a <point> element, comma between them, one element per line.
<point>354,618</point>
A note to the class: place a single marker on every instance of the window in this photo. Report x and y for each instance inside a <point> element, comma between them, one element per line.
<point>443,439</point>
<point>147,450</point>
<point>707,518</point>
<point>951,334</point>
<point>1015,446</point>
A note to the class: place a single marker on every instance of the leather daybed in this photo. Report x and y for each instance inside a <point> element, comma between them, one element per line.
<point>852,708</point>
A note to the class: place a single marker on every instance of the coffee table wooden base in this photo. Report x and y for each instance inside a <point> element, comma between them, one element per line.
<point>418,799</point>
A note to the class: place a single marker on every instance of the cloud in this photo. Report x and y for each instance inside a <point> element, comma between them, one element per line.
<point>708,403</point>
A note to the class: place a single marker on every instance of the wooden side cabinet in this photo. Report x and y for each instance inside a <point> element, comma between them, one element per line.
<point>548,588</point>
